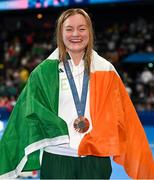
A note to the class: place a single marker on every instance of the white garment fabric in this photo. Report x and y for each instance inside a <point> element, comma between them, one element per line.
<point>67,109</point>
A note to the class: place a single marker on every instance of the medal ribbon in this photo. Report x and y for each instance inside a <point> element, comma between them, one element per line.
<point>80,105</point>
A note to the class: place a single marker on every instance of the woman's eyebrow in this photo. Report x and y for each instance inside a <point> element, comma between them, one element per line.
<point>69,26</point>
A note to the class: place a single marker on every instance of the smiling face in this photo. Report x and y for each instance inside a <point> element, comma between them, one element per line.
<point>75,33</point>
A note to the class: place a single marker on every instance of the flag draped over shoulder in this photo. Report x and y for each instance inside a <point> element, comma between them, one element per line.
<point>117,130</point>
<point>33,123</point>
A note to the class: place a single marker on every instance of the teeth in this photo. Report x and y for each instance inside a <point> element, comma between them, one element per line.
<point>75,40</point>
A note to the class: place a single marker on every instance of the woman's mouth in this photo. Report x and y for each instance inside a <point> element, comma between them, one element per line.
<point>75,40</point>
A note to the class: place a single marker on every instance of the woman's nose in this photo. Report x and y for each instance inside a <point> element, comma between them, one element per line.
<point>75,32</point>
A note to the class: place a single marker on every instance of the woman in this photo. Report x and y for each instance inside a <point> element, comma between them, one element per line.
<point>74,114</point>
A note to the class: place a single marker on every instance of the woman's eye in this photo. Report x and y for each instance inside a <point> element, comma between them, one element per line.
<point>68,29</point>
<point>82,29</point>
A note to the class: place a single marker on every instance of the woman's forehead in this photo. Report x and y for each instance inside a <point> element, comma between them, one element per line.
<point>77,19</point>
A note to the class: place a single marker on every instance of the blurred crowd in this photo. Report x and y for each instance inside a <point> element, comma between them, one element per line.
<point>141,88</point>
<point>25,42</point>
<point>115,40</point>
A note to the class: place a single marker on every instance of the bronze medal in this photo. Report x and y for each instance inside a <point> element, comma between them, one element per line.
<point>81,124</point>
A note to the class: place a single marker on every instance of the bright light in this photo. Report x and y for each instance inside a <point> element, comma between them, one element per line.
<point>150,65</point>
<point>39,16</point>
<point>1,126</point>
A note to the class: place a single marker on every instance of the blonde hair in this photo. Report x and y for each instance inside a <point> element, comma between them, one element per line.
<point>60,43</point>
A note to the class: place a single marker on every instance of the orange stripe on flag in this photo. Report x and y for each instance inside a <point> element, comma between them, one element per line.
<point>117,130</point>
